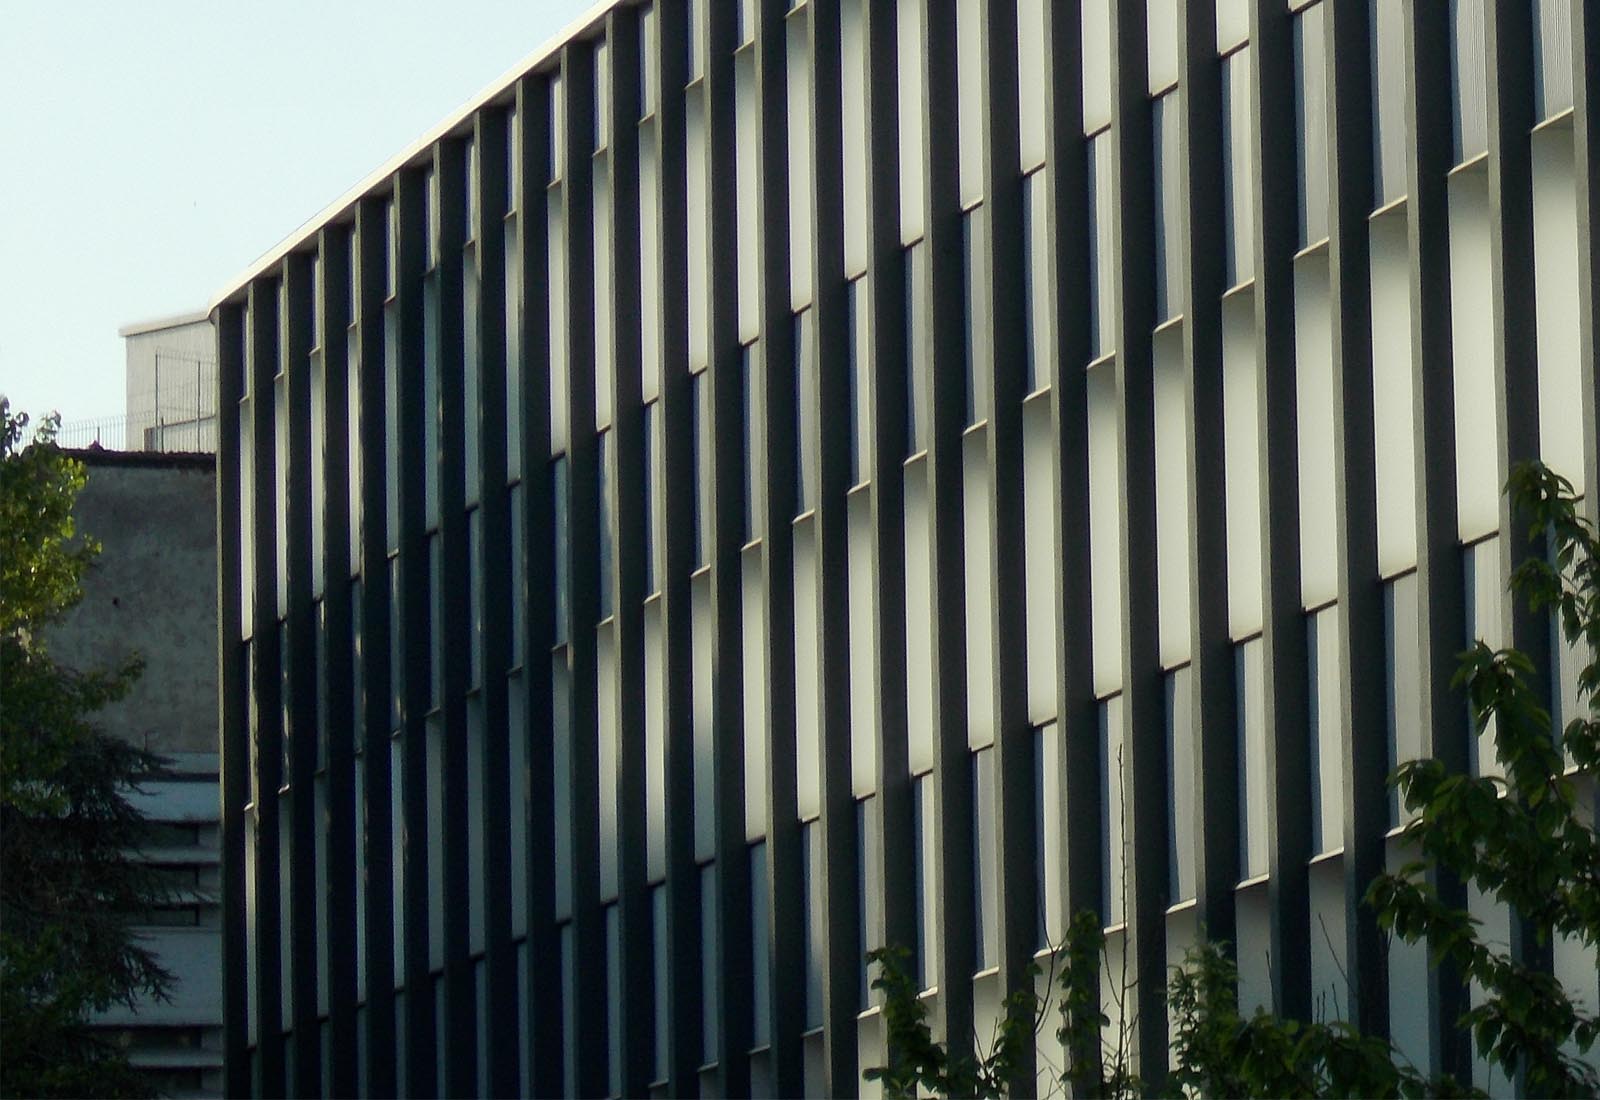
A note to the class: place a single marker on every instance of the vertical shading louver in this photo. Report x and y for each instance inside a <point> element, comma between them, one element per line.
<point>778,479</point>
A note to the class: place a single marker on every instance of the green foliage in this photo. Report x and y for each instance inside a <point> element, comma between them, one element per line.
<point>919,1064</point>
<point>1216,1052</point>
<point>1522,839</point>
<point>68,892</point>
<point>1082,1022</point>
<point>40,567</point>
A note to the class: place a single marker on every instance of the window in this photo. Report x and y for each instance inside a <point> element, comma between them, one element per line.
<point>811,873</point>
<point>1250,691</point>
<point>760,947</point>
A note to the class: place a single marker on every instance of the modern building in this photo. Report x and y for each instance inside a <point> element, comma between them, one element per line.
<point>171,384</point>
<point>767,480</point>
<point>153,592</point>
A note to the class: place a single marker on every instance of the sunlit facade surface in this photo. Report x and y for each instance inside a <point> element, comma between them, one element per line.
<point>772,480</point>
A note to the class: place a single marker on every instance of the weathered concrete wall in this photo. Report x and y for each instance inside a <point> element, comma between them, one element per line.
<point>153,591</point>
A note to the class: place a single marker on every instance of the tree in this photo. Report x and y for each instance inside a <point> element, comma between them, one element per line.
<point>68,891</point>
<point>1522,839</point>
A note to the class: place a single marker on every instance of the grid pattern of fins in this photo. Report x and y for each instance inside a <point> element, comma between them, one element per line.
<point>781,479</point>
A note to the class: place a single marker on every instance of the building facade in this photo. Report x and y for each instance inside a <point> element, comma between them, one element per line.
<point>153,592</point>
<point>772,479</point>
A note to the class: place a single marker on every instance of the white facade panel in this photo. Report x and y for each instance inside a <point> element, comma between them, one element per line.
<point>1468,81</point>
<point>1233,24</point>
<point>800,171</point>
<point>1556,305</point>
<point>1031,88</point>
<point>1172,496</point>
<point>1313,336</point>
<point>1472,311</point>
<point>1096,64</point>
<point>919,621</point>
<point>1039,559</point>
<point>1036,279</point>
<point>979,562</point>
<point>1161,44</point>
<point>604,336</point>
<point>853,103</point>
<point>863,649</point>
<point>1393,406</point>
<point>1105,529</point>
<point>1102,269</point>
<point>1242,462</point>
<point>747,191</point>
<point>697,194</point>
<point>649,266</point>
<point>970,64</point>
<point>909,16</point>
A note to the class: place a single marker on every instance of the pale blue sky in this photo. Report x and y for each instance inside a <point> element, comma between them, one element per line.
<point>149,151</point>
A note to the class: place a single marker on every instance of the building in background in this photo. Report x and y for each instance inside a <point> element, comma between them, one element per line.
<point>171,391</point>
<point>773,479</point>
<point>153,591</point>
<point>172,384</point>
